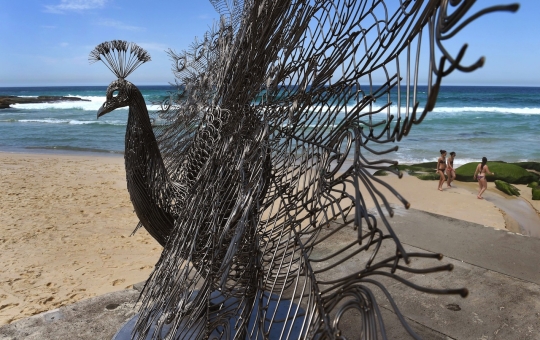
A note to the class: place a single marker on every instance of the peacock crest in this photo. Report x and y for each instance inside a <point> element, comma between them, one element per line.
<point>121,57</point>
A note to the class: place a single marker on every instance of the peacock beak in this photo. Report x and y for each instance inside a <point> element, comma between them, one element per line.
<point>103,110</point>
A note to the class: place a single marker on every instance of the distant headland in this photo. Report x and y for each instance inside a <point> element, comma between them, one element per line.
<point>6,101</point>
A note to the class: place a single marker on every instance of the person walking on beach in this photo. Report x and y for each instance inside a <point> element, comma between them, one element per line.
<point>482,171</point>
<point>441,166</point>
<point>450,172</point>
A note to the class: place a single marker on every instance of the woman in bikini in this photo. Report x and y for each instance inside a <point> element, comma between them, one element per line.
<point>441,166</point>
<point>450,172</point>
<point>482,171</point>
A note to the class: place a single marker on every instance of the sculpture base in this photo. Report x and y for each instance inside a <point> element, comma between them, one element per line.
<point>276,332</point>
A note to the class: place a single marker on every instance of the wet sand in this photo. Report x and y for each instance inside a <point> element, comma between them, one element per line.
<point>66,222</point>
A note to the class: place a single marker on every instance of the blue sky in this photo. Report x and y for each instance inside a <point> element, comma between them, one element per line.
<point>47,42</point>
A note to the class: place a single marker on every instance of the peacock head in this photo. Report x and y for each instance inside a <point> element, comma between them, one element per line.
<point>118,95</point>
<point>122,58</point>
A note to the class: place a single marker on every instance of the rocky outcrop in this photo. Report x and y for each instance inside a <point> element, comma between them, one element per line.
<point>507,172</point>
<point>380,173</point>
<point>424,171</point>
<point>529,165</point>
<point>429,176</point>
<point>515,173</point>
<point>508,189</point>
<point>536,193</point>
<point>420,167</point>
<point>6,101</point>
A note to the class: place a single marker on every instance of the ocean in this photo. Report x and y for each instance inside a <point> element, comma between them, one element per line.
<point>500,123</point>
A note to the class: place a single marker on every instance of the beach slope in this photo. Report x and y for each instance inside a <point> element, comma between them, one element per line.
<point>66,222</point>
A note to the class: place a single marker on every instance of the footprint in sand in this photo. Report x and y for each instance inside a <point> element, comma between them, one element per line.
<point>118,282</point>
<point>45,301</point>
<point>9,305</point>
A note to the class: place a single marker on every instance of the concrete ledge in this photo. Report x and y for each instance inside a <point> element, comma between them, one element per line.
<point>99,317</point>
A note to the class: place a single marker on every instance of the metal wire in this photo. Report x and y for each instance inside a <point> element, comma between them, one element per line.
<point>253,171</point>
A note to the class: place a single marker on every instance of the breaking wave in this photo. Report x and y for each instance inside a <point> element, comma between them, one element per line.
<point>66,121</point>
<point>90,103</point>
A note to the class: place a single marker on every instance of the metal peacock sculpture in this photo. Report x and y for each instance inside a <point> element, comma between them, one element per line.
<point>258,177</point>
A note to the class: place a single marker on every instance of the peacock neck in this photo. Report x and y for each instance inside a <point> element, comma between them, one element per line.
<point>142,149</point>
<point>146,175</point>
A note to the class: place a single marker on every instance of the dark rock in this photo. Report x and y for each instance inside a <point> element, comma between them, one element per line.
<point>6,101</point>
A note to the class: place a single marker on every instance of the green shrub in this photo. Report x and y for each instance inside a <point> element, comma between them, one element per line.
<point>506,172</point>
<point>507,188</point>
<point>380,173</point>
<point>532,184</point>
<point>536,194</point>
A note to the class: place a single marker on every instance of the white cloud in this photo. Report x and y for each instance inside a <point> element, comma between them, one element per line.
<point>120,25</point>
<point>75,5</point>
<point>64,44</point>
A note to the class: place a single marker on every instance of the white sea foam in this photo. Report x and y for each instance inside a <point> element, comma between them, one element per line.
<point>460,161</point>
<point>474,109</point>
<point>511,110</point>
<point>95,102</point>
<point>456,110</point>
<point>404,159</point>
<point>101,122</point>
<point>91,103</point>
<point>71,121</point>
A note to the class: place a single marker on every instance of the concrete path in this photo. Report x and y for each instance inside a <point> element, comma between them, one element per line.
<point>498,250</point>
<point>500,269</point>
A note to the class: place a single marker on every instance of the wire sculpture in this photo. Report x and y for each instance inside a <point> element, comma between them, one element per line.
<point>251,173</point>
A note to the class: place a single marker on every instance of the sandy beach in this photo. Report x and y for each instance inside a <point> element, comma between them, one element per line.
<point>65,232</point>
<point>66,222</point>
